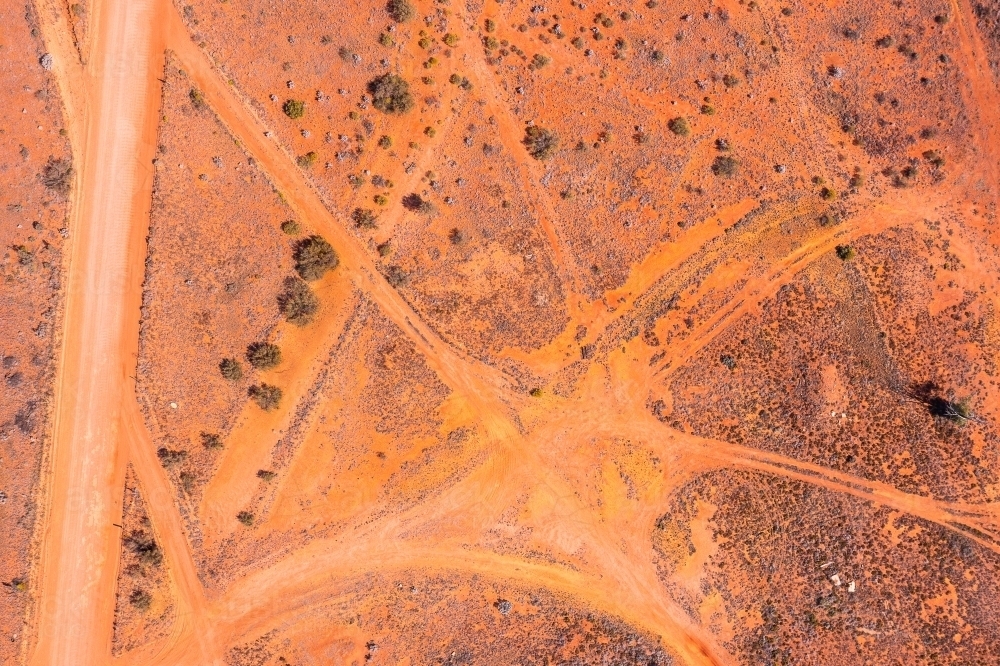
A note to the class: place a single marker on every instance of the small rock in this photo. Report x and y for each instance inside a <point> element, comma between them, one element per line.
<point>503,606</point>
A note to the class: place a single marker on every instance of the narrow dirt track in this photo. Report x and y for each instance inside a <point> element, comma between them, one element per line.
<point>80,545</point>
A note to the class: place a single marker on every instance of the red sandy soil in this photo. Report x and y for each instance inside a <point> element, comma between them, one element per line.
<point>631,403</point>
<point>33,229</point>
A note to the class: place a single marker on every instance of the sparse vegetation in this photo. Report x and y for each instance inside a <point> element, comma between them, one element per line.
<point>211,440</point>
<point>845,252</point>
<point>266,396</point>
<point>679,126</point>
<point>57,175</point>
<point>264,355</point>
<point>307,160</point>
<point>197,99</point>
<point>231,369</point>
<point>364,218</point>
<point>245,517</point>
<point>390,94</point>
<point>291,227</point>
<point>141,599</point>
<point>541,143</point>
<point>725,166</point>
<point>294,108</point>
<point>401,11</point>
<point>314,256</point>
<point>418,204</point>
<point>298,302</point>
<point>265,475</point>
<point>385,141</point>
<point>450,39</point>
<point>170,457</point>
<point>396,276</point>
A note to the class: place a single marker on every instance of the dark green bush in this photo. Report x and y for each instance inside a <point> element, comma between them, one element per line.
<point>298,302</point>
<point>294,108</point>
<point>314,257</point>
<point>541,143</point>
<point>679,126</point>
<point>390,94</point>
<point>845,252</point>
<point>291,227</point>
<point>231,369</point>
<point>263,355</point>
<point>401,11</point>
<point>266,396</point>
<point>245,517</point>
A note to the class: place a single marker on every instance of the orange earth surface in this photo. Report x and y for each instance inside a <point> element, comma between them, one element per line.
<point>428,332</point>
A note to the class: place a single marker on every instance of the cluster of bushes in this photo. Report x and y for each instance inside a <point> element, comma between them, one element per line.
<point>314,256</point>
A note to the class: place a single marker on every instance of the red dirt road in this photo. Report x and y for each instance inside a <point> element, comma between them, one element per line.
<point>113,107</point>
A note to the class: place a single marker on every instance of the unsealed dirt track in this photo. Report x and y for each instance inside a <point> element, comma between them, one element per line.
<point>556,458</point>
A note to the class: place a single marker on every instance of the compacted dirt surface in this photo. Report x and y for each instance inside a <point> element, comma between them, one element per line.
<point>428,332</point>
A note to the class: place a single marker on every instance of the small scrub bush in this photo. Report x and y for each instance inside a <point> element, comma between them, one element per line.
<point>291,227</point>
<point>294,108</point>
<point>401,11</point>
<point>491,43</point>
<point>845,252</point>
<point>231,369</point>
<point>386,40</point>
<point>245,517</point>
<point>364,218</point>
<point>390,94</point>
<point>539,61</point>
<point>430,132</point>
<point>396,276</point>
<point>385,141</point>
<point>266,396</point>
<point>314,256</point>
<point>265,475</point>
<point>536,393</point>
<point>451,39</point>
<point>197,99</point>
<point>707,110</point>
<point>298,302</point>
<point>380,200</point>
<point>489,25</point>
<point>57,175</point>
<point>725,166</point>
<point>264,355</point>
<point>730,81</point>
<point>934,157</point>
<point>141,599</point>
<point>211,440</point>
<point>541,143</point>
<point>307,160</point>
<point>170,457</point>
<point>418,204</point>
<point>679,126</point>
<point>828,194</point>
